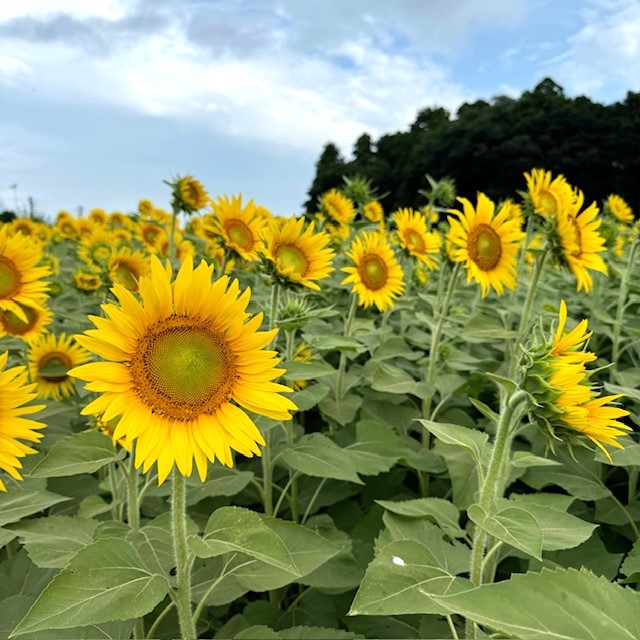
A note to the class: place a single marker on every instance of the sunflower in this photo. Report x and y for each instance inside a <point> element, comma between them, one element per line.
<point>619,209</point>
<point>373,211</point>
<point>414,237</point>
<point>99,216</point>
<point>97,247</point>
<point>337,206</point>
<point>38,318</point>
<point>577,242</point>
<point>119,220</point>
<point>298,255</point>
<point>566,405</point>
<point>49,362</point>
<point>15,393</point>
<point>86,280</point>
<point>181,365</point>
<point>21,280</point>
<point>376,276</point>
<point>238,227</point>
<point>487,243</point>
<point>66,226</point>
<point>145,208</point>
<point>126,267</point>
<point>25,226</point>
<point>548,195</point>
<point>190,194</point>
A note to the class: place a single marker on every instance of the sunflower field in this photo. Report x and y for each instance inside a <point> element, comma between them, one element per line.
<point>219,423</point>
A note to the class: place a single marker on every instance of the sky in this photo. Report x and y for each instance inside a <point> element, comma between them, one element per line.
<point>103,100</point>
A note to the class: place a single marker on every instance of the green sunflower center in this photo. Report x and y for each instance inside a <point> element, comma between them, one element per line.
<point>414,241</point>
<point>101,252</point>
<point>53,367</point>
<point>373,271</point>
<point>239,234</point>
<point>548,202</point>
<point>127,276</point>
<point>183,369</point>
<point>10,278</point>
<point>290,257</point>
<point>484,247</point>
<point>14,325</point>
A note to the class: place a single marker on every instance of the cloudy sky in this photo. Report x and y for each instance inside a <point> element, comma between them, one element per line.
<point>100,100</point>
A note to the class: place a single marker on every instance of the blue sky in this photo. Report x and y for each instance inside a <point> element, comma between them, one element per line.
<point>101,100</point>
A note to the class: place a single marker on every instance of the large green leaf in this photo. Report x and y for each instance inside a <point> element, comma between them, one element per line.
<point>51,542</point>
<point>442,512</point>
<point>19,503</point>
<point>561,604</point>
<point>84,452</point>
<point>512,525</point>
<point>376,448</point>
<point>105,581</point>
<point>402,579</point>
<point>316,455</point>
<point>475,442</point>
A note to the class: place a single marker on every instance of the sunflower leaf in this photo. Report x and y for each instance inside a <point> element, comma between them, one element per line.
<point>19,503</point>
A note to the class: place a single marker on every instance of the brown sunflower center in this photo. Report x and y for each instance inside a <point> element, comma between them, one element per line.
<point>577,237</point>
<point>373,271</point>
<point>414,241</point>
<point>548,202</point>
<point>484,247</point>
<point>16,326</point>
<point>53,366</point>
<point>182,369</point>
<point>239,233</point>
<point>289,256</point>
<point>10,278</point>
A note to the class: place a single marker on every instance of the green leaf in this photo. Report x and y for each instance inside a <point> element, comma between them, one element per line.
<point>316,455</point>
<point>332,342</point>
<point>6,536</point>
<point>442,512</point>
<point>258,632</point>
<point>343,411</point>
<point>84,452</point>
<point>481,327</point>
<point>317,633</point>
<point>627,457</point>
<point>105,581</point>
<point>392,379</point>
<point>629,392</point>
<point>18,575</point>
<point>19,503</point>
<point>512,525</point>
<point>561,604</point>
<point>376,448</point>
<point>525,459</point>
<point>309,397</point>
<point>51,542</point>
<point>631,565</point>
<point>475,442</point>
<point>307,371</point>
<point>402,579</point>
<point>235,529</point>
<point>463,473</point>
<point>221,481</point>
<point>393,348</point>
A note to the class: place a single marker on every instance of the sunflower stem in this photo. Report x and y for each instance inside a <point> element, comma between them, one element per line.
<point>183,570</point>
<point>343,354</point>
<point>172,249</point>
<point>133,507</point>
<point>492,486</point>
<point>622,299</point>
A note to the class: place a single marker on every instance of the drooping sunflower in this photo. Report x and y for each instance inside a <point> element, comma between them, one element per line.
<point>487,243</point>
<point>180,366</point>
<point>238,227</point>
<point>298,255</point>
<point>373,211</point>
<point>126,267</point>
<point>567,406</point>
<point>619,209</point>
<point>22,281</point>
<point>577,241</point>
<point>548,195</point>
<point>190,194</point>
<point>50,360</point>
<point>414,237</point>
<point>376,276</point>
<point>337,207</point>
<point>15,394</point>
<point>38,318</point>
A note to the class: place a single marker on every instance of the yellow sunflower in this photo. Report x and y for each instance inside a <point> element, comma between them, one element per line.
<point>414,237</point>
<point>21,280</point>
<point>191,194</point>
<point>99,216</point>
<point>97,247</point>
<point>376,276</point>
<point>487,243</point>
<point>49,362</point>
<point>373,211</point>
<point>548,195</point>
<point>38,318</point>
<point>66,226</point>
<point>337,206</point>
<point>181,365</point>
<point>15,393</point>
<point>298,255</point>
<point>578,242</point>
<point>619,209</point>
<point>152,235</point>
<point>145,207</point>
<point>119,220</point>
<point>87,280</point>
<point>126,267</point>
<point>25,226</point>
<point>238,227</point>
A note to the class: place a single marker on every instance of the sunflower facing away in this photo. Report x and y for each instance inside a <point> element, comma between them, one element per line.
<point>376,276</point>
<point>487,243</point>
<point>298,255</point>
<point>182,364</point>
<point>619,209</point>
<point>414,237</point>
<point>15,393</point>
<point>50,360</point>
<point>578,243</point>
<point>567,406</point>
<point>548,195</point>
<point>191,194</point>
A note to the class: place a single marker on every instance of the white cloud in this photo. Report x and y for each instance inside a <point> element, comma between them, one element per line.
<point>80,9</point>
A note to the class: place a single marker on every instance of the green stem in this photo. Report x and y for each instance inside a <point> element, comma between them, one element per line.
<point>622,299</point>
<point>172,249</point>
<point>633,484</point>
<point>343,354</point>
<point>133,507</point>
<point>158,620</point>
<point>314,497</point>
<point>267,476</point>
<point>452,628</point>
<point>183,569</point>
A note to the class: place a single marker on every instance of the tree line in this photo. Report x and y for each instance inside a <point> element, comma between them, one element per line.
<point>488,145</point>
